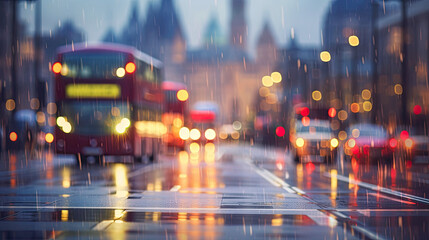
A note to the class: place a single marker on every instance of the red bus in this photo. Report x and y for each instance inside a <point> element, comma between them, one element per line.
<point>109,102</point>
<point>175,110</point>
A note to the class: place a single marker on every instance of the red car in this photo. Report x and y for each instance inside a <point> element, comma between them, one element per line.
<point>369,142</point>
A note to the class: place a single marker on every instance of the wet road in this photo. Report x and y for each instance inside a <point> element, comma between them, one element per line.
<point>232,192</point>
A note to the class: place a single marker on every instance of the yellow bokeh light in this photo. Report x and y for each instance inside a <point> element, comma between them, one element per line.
<point>49,138</point>
<point>64,70</point>
<point>325,56</point>
<point>61,121</point>
<point>195,134</point>
<point>267,81</point>
<point>334,142</point>
<point>316,95</point>
<point>366,94</point>
<point>210,134</point>
<point>398,89</point>
<point>355,133</point>
<point>67,127</point>
<point>408,143</point>
<point>40,117</point>
<point>120,72</point>
<point>194,147</point>
<point>210,147</point>
<point>342,115</point>
<point>235,135</point>
<point>10,104</point>
<point>182,95</point>
<point>351,143</point>
<point>223,135</point>
<point>353,41</point>
<point>271,98</point>
<point>263,91</point>
<point>184,133</point>
<point>52,108</point>
<point>299,142</point>
<point>367,106</point>
<point>276,77</point>
<point>177,122</point>
<point>354,107</point>
<point>342,135</point>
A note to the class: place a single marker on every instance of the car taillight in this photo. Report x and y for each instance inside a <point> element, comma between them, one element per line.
<point>13,136</point>
<point>393,143</point>
<point>408,143</point>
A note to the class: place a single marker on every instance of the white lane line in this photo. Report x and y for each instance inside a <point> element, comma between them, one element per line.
<point>101,226</point>
<point>264,175</point>
<point>175,188</point>
<point>378,188</point>
<point>289,190</point>
<point>367,233</point>
<point>275,178</point>
<point>298,190</point>
<point>377,195</point>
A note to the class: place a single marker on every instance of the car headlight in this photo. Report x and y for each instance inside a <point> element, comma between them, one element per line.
<point>408,143</point>
<point>195,134</point>
<point>210,134</point>
<point>184,133</point>
<point>334,142</point>
<point>299,142</point>
<point>122,126</point>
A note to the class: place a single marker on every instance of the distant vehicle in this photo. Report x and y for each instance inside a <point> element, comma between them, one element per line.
<point>203,118</point>
<point>109,101</point>
<point>314,142</point>
<point>21,132</point>
<point>369,142</point>
<point>413,144</point>
<point>174,115</point>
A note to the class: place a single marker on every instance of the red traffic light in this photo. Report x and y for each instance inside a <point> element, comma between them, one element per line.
<point>280,131</point>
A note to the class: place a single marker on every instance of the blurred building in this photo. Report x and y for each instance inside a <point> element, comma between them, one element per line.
<point>350,66</point>
<point>390,65</point>
<point>221,70</point>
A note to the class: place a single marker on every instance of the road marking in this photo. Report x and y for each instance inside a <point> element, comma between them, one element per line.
<point>378,188</point>
<point>298,190</point>
<point>366,232</point>
<point>101,226</point>
<point>393,199</point>
<point>175,188</point>
<point>264,175</point>
<point>289,190</point>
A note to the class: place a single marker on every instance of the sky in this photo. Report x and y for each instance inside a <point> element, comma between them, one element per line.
<point>96,16</point>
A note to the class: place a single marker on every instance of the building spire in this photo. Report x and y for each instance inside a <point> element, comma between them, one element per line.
<point>238,25</point>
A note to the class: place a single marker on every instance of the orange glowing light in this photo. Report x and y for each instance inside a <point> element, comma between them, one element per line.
<point>49,138</point>
<point>13,136</point>
<point>354,107</point>
<point>182,95</point>
<point>305,121</point>
<point>130,67</point>
<point>332,112</point>
<point>56,68</point>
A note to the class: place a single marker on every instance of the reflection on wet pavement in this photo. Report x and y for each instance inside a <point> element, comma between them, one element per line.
<point>218,192</point>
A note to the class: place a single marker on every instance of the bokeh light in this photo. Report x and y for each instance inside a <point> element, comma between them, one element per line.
<point>325,56</point>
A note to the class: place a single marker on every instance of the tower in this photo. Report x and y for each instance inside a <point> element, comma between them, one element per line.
<point>238,26</point>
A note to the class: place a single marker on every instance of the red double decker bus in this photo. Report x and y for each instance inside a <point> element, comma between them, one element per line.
<point>175,112</point>
<point>109,101</point>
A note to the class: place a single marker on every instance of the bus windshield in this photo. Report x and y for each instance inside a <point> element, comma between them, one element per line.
<point>99,65</point>
<point>94,118</point>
